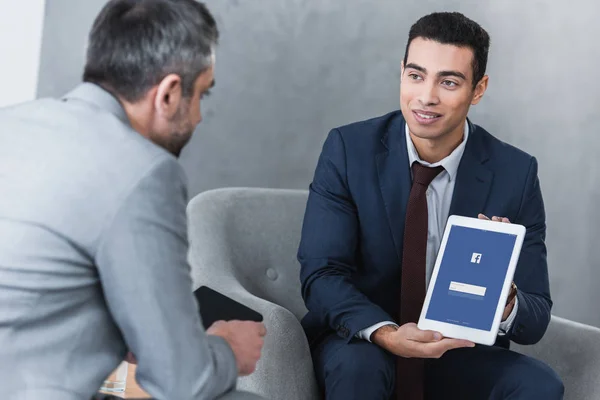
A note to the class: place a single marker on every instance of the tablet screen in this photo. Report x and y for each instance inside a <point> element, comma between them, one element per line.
<point>471,276</point>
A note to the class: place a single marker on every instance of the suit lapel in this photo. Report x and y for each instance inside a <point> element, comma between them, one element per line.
<point>395,180</point>
<point>474,179</point>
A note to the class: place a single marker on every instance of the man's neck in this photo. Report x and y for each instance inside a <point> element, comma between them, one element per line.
<point>435,150</point>
<point>137,115</point>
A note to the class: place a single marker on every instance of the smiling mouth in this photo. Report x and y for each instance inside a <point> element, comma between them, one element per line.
<point>426,117</point>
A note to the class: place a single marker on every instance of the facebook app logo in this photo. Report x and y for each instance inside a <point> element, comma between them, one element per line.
<point>476,258</point>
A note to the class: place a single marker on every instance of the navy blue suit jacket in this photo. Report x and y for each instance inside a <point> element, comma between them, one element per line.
<point>351,246</point>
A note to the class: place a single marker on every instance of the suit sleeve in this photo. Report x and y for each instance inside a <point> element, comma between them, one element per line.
<point>328,246</point>
<point>142,262</point>
<point>531,276</point>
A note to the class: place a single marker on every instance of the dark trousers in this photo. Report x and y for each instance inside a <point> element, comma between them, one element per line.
<point>362,370</point>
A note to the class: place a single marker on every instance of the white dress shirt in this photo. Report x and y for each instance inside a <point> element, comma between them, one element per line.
<point>439,198</point>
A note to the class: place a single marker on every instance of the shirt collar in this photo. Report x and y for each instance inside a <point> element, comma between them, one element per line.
<point>449,163</point>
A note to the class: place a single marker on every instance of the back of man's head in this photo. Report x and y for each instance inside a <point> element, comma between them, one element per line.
<point>134,44</point>
<point>455,29</point>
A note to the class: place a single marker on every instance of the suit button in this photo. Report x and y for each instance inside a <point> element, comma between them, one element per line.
<point>343,331</point>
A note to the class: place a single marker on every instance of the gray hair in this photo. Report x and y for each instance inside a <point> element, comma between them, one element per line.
<point>134,44</point>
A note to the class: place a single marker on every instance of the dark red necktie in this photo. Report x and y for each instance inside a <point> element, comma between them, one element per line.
<point>410,371</point>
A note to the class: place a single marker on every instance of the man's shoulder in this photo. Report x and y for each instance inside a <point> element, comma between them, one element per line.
<point>81,145</point>
<point>372,126</point>
<point>499,151</point>
<point>122,155</point>
<point>364,138</point>
<point>115,144</point>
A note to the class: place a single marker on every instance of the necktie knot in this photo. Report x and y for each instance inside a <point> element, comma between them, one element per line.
<point>424,175</point>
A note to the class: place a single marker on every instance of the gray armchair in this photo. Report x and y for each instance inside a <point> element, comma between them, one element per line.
<point>243,243</point>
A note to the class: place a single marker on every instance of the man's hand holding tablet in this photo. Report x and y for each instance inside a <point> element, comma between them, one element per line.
<point>411,342</point>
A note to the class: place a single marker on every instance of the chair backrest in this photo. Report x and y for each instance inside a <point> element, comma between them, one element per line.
<point>252,234</point>
<point>573,351</point>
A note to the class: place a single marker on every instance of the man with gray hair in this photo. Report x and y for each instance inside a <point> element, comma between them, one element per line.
<point>93,236</point>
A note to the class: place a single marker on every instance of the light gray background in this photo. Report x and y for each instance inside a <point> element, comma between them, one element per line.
<point>290,70</point>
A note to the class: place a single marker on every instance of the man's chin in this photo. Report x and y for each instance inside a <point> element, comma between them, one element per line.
<point>178,143</point>
<point>424,132</point>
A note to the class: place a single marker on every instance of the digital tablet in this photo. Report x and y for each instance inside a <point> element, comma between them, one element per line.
<point>471,279</point>
<point>215,306</point>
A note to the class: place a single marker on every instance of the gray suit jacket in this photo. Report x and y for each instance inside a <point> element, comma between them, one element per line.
<point>93,257</point>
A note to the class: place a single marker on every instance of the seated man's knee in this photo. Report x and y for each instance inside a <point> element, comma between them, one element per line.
<point>551,385</point>
<point>363,362</point>
<point>532,379</point>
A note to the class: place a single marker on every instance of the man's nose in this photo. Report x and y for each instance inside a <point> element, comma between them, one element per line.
<point>429,95</point>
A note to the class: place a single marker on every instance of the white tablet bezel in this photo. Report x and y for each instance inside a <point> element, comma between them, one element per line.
<point>462,332</point>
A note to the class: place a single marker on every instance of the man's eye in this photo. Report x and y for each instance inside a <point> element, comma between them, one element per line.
<point>449,83</point>
<point>414,76</point>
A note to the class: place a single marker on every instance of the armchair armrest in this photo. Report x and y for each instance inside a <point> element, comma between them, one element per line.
<point>285,370</point>
<point>573,351</point>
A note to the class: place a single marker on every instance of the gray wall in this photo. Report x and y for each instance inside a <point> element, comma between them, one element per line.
<point>290,70</point>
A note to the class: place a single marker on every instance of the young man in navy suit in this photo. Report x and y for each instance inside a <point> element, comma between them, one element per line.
<point>364,279</point>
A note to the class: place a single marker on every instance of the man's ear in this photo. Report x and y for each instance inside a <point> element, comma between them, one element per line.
<point>480,90</point>
<point>401,69</point>
<point>168,96</point>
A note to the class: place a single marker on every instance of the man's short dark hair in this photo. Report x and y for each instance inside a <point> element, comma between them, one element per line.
<point>455,29</point>
<point>134,44</point>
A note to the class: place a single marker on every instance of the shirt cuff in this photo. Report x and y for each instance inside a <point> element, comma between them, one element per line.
<point>506,325</point>
<point>366,333</point>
